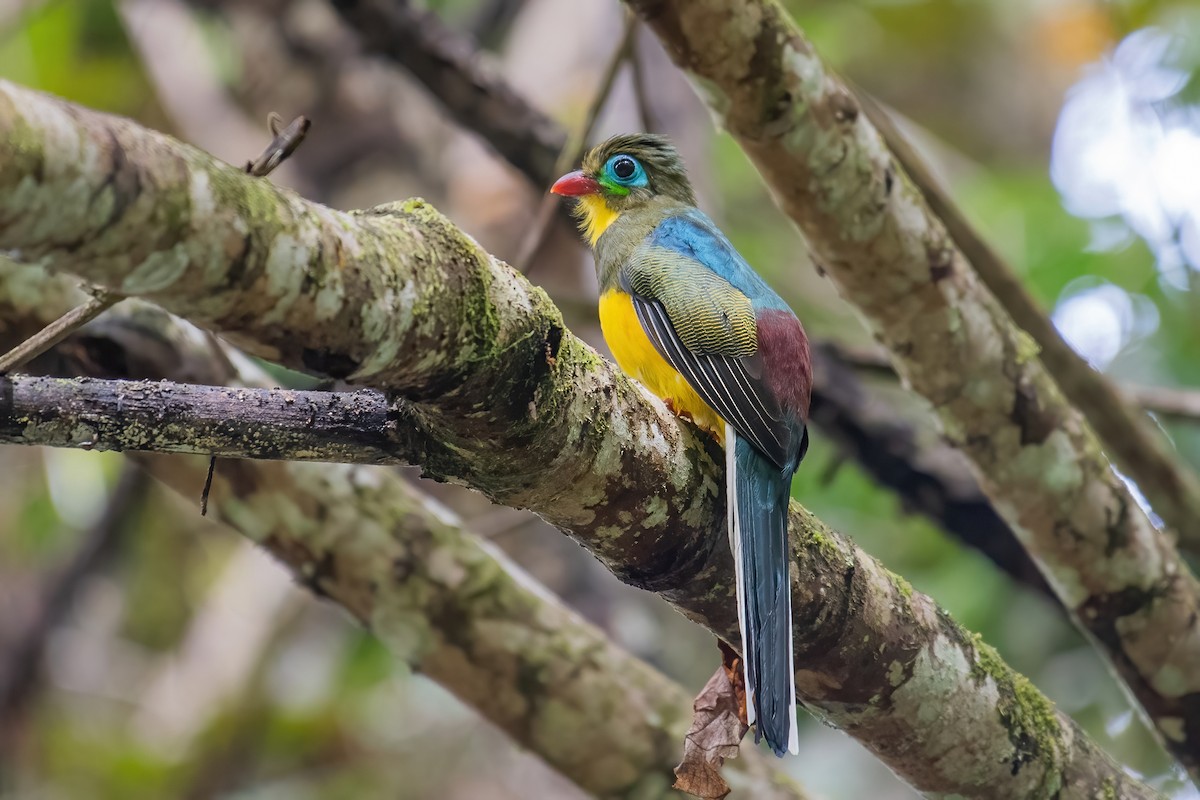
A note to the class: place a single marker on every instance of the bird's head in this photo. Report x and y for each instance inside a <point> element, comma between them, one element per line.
<point>626,172</point>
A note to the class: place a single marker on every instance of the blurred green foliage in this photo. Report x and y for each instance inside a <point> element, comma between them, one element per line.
<point>954,68</point>
<point>77,50</point>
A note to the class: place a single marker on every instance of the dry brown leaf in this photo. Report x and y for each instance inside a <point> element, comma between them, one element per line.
<point>731,662</point>
<point>718,725</point>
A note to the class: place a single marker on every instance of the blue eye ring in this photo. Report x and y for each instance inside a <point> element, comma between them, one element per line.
<point>622,163</point>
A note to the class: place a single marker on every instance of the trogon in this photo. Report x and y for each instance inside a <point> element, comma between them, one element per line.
<point>685,314</point>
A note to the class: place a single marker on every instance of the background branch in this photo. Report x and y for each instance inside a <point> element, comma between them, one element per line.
<point>575,147</point>
<point>56,331</point>
<point>1140,450</point>
<point>874,235</point>
<point>1182,405</point>
<point>22,659</point>
<point>450,65</point>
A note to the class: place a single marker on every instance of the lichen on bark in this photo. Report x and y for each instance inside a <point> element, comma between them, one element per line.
<point>889,255</point>
<point>565,434</point>
<point>443,602</point>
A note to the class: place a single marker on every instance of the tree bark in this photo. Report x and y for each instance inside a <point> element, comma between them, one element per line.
<point>872,232</point>
<point>1125,430</point>
<point>447,604</point>
<point>502,398</point>
<point>165,417</point>
<point>928,478</point>
<point>356,428</point>
<point>457,610</point>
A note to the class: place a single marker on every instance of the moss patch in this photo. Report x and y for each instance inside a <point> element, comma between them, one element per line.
<point>1030,719</point>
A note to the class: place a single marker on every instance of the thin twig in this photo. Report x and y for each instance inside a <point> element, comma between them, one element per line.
<point>641,93</point>
<point>281,147</point>
<point>1175,403</point>
<point>212,467</point>
<point>285,424</point>
<point>573,150</point>
<point>56,331</point>
<point>464,80</point>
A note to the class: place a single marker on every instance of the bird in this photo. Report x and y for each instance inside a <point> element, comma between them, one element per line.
<point>686,315</point>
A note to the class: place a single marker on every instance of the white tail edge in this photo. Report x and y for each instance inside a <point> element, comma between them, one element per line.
<point>735,544</point>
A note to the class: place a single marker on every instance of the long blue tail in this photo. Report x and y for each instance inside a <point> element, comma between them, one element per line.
<point>758,499</point>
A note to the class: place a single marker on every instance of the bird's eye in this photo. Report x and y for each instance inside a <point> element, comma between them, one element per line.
<point>624,167</point>
<point>623,173</point>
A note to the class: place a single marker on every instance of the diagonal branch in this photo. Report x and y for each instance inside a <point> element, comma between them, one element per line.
<point>1128,435</point>
<point>449,64</point>
<point>491,640</point>
<point>501,398</point>
<point>22,660</point>
<point>928,479</point>
<point>952,342</point>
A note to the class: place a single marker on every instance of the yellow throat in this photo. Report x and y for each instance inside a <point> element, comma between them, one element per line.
<point>595,216</point>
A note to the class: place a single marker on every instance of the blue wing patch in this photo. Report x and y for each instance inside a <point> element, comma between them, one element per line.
<point>695,236</point>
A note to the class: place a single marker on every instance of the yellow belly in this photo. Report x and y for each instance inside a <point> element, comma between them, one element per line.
<point>635,354</point>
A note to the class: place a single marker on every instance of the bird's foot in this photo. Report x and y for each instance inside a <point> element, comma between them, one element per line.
<point>682,413</point>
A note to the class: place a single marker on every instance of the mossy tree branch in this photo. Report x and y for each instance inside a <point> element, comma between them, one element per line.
<point>368,543</point>
<point>873,233</point>
<point>457,610</point>
<point>331,556</point>
<point>928,477</point>
<point>1127,433</point>
<point>500,397</point>
<point>447,604</point>
<point>358,428</point>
